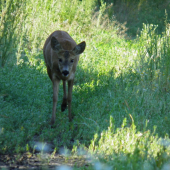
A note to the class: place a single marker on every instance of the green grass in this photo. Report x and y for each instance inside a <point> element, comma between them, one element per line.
<point>135,13</point>
<point>120,95</point>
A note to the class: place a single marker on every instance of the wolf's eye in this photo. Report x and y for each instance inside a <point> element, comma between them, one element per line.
<point>60,60</point>
<point>72,61</point>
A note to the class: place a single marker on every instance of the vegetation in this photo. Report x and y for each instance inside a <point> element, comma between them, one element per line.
<point>121,101</point>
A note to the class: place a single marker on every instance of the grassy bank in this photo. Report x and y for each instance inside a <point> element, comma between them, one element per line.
<point>120,95</point>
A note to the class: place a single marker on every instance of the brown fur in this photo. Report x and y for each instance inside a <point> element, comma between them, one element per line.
<point>61,54</point>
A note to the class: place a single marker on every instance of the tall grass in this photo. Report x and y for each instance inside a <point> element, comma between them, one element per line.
<point>134,13</point>
<point>12,28</point>
<point>154,56</point>
<point>117,80</point>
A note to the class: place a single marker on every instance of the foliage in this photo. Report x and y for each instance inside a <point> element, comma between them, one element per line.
<point>127,148</point>
<point>11,25</point>
<point>136,12</point>
<point>117,80</point>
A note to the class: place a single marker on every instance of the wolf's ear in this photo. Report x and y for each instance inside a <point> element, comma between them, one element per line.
<point>78,49</point>
<point>56,46</point>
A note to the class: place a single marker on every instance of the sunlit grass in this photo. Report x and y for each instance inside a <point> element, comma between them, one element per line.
<point>117,80</point>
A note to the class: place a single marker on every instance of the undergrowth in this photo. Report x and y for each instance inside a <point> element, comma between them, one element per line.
<point>117,80</point>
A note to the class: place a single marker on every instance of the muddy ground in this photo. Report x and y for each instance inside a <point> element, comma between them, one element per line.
<point>39,161</point>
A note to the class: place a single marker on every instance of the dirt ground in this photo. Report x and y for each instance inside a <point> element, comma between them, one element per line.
<point>39,161</point>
